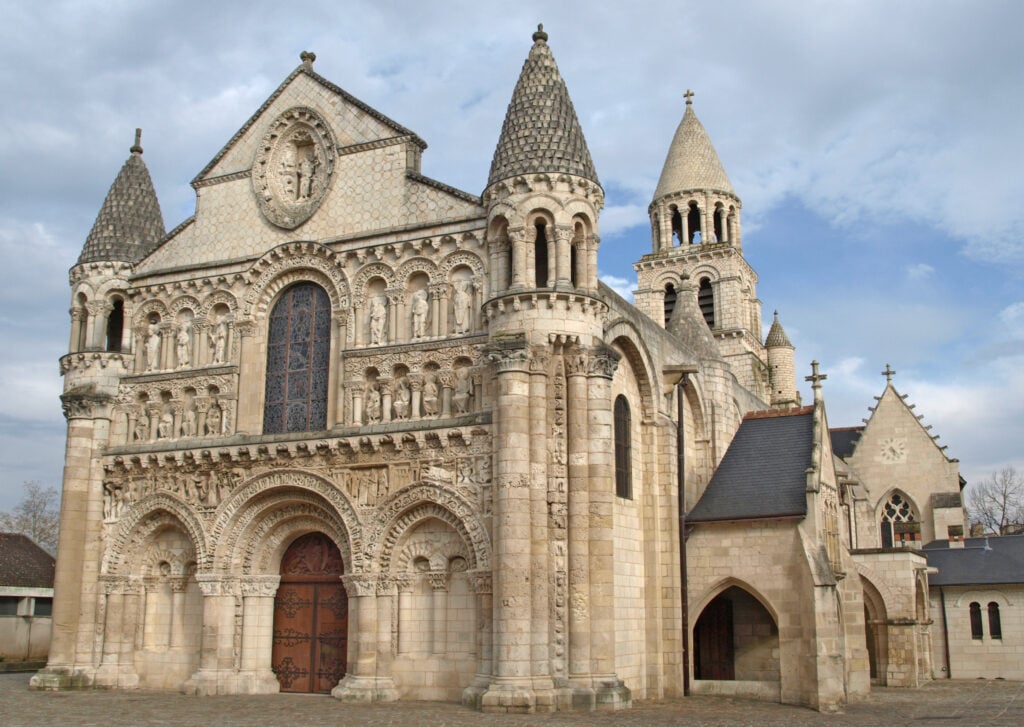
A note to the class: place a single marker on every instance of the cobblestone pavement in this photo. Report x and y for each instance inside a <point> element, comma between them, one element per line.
<point>939,703</point>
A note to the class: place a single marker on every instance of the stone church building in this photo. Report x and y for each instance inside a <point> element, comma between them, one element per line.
<point>348,429</point>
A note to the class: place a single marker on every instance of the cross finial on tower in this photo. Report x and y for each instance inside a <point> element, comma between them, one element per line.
<point>816,378</point>
<point>689,97</point>
<point>540,34</point>
<point>137,146</point>
<point>888,373</point>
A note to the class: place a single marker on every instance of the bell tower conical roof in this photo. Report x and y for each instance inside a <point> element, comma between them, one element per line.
<point>777,335</point>
<point>541,132</point>
<point>692,162</point>
<point>129,225</point>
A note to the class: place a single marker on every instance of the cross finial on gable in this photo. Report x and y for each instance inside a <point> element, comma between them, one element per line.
<point>689,97</point>
<point>888,373</point>
<point>815,378</point>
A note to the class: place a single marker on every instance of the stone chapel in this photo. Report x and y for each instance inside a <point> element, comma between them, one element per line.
<point>350,430</point>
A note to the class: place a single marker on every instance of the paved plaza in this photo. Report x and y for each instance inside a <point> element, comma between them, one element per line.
<point>939,703</point>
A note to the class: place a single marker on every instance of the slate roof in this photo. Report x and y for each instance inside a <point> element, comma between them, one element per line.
<point>129,225</point>
<point>844,440</point>
<point>23,563</point>
<point>541,132</point>
<point>763,474</point>
<point>982,561</point>
<point>777,335</point>
<point>692,162</point>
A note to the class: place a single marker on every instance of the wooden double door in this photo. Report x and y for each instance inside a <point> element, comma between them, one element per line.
<point>310,617</point>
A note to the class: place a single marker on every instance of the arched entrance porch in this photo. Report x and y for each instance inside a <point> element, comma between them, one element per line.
<point>736,640</point>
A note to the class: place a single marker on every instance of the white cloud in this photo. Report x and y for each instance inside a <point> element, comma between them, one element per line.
<point>1012,317</point>
<point>621,286</point>
<point>920,271</point>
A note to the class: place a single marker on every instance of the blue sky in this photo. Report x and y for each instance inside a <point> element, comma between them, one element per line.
<point>876,147</point>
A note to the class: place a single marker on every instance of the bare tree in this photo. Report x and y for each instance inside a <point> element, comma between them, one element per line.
<point>998,502</point>
<point>37,515</point>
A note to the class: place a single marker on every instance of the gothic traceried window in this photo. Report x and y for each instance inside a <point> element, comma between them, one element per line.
<point>298,361</point>
<point>623,456</point>
<point>896,510</point>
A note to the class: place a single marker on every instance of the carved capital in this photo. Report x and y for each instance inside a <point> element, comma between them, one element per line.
<point>360,584</point>
<point>508,354</point>
<point>438,581</point>
<point>215,585</point>
<point>481,582</point>
<point>85,404</point>
<point>259,586</point>
<point>603,361</point>
<point>539,358</point>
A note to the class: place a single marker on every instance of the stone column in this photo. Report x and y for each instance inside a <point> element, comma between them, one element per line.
<point>385,398</point>
<point>481,584</point>
<point>71,660</point>
<point>110,634</point>
<point>74,342</point>
<point>178,586</point>
<point>511,686</point>
<point>447,382</point>
<point>404,584</point>
<point>356,390</point>
<point>519,245</point>
<point>251,371</point>
<point>216,673</point>
<point>131,588</point>
<point>415,405</point>
<point>610,692</point>
<point>553,250</point>
<point>562,270</point>
<point>201,341</point>
<point>386,622</point>
<point>397,312</point>
<point>539,544</point>
<point>591,254</point>
<point>576,366</point>
<point>335,402</point>
<point>94,327</point>
<point>363,683</point>
<point>258,634</point>
<point>439,612</point>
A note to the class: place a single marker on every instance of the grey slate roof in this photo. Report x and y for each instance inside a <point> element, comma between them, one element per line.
<point>541,132</point>
<point>982,561</point>
<point>844,440</point>
<point>763,473</point>
<point>23,563</point>
<point>777,335</point>
<point>692,162</point>
<point>129,225</point>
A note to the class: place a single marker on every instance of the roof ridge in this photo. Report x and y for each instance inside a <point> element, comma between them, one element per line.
<point>774,413</point>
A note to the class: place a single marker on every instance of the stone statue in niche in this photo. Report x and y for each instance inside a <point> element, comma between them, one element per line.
<point>403,397</point>
<point>219,341</point>
<point>188,423</point>
<point>165,428</point>
<point>141,433</point>
<point>463,390</point>
<point>214,420</point>
<point>430,396</point>
<point>462,302</point>
<point>378,320</point>
<point>183,345</point>
<point>153,347</point>
<point>373,403</point>
<point>420,309</point>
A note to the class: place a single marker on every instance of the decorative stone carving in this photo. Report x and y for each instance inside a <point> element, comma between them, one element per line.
<point>430,396</point>
<point>183,345</point>
<point>373,410</point>
<point>293,167</point>
<point>420,310</point>
<point>462,306</point>
<point>378,320</point>
<point>402,398</point>
<point>214,420</point>
<point>152,349</point>
<point>463,390</point>
<point>219,342</point>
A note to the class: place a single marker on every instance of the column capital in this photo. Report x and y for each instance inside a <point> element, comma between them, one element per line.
<point>360,584</point>
<point>261,586</point>
<point>508,353</point>
<point>603,361</point>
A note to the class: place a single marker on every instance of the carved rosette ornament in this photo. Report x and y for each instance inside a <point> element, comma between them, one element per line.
<point>293,168</point>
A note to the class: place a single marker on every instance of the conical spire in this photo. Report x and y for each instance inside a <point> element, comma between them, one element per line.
<point>687,323</point>
<point>129,225</point>
<point>541,132</point>
<point>692,162</point>
<point>777,335</point>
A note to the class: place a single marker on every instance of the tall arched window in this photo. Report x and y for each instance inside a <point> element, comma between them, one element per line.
<point>298,360</point>
<point>540,261</point>
<point>896,510</point>
<point>995,625</point>
<point>115,325</point>
<point>670,301</point>
<point>623,456</point>
<point>706,301</point>
<point>693,223</point>
<point>976,631</point>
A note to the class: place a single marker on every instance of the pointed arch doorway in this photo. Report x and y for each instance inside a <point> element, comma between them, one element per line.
<point>310,617</point>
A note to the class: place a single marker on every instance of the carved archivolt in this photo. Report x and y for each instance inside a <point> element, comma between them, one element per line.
<point>263,547</point>
<point>373,270</point>
<point>149,516</point>
<point>151,306</point>
<point>416,265</point>
<point>293,263</point>
<point>216,298</point>
<point>461,258</point>
<point>185,302</point>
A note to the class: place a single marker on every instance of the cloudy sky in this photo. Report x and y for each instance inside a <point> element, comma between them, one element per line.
<point>876,145</point>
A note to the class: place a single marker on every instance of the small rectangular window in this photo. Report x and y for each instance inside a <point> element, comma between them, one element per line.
<point>977,631</point>
<point>44,607</point>
<point>9,605</point>
<point>995,626</point>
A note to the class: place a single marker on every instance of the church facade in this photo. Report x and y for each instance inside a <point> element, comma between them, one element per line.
<point>348,429</point>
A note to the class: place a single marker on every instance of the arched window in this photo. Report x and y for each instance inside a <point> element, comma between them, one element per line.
<point>895,512</point>
<point>706,301</point>
<point>623,458</point>
<point>115,325</point>
<point>540,262</point>
<point>670,301</point>
<point>976,632</point>
<point>298,360</point>
<point>995,625</point>
<point>693,223</point>
<point>677,227</point>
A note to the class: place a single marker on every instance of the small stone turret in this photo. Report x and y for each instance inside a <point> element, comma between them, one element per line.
<point>781,366</point>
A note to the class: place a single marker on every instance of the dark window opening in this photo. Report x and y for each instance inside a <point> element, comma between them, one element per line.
<point>706,301</point>
<point>995,625</point>
<point>976,631</point>
<point>677,227</point>
<point>44,607</point>
<point>670,302</point>
<point>298,361</point>
<point>573,262</point>
<point>540,252</point>
<point>115,325</point>
<point>693,221</point>
<point>623,459</point>
<point>719,226</point>
<point>9,605</point>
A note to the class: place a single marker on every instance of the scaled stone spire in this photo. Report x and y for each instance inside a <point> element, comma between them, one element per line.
<point>129,225</point>
<point>777,335</point>
<point>692,162</point>
<point>541,132</point>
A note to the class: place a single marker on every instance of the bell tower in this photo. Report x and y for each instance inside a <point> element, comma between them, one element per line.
<point>697,249</point>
